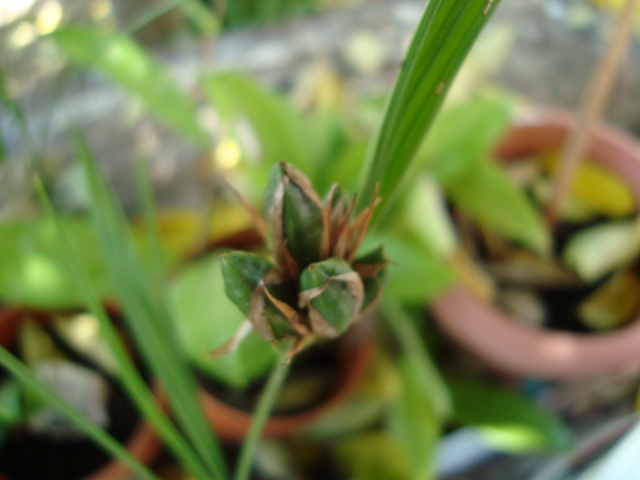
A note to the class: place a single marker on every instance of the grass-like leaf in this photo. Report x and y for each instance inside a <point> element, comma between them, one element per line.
<point>446,32</point>
<point>24,375</point>
<point>152,238</point>
<point>148,318</point>
<point>124,62</point>
<point>129,376</point>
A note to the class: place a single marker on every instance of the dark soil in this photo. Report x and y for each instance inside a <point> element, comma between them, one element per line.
<point>27,456</point>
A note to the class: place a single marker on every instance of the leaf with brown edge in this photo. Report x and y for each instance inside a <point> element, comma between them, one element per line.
<point>295,217</point>
<point>333,294</point>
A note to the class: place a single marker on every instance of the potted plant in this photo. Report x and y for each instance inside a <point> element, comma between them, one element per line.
<point>522,349</point>
<point>605,299</point>
<point>441,42</point>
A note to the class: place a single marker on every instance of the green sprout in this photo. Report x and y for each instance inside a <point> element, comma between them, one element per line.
<point>315,287</point>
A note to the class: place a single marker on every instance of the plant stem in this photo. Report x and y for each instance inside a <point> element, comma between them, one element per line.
<point>592,106</point>
<point>260,416</point>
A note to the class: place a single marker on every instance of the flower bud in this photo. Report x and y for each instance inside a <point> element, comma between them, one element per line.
<point>333,294</point>
<point>295,219</point>
<point>256,287</point>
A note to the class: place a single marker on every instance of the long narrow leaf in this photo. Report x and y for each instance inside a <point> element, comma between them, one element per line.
<point>150,215</point>
<point>148,318</point>
<point>446,32</point>
<point>419,361</point>
<point>414,423</point>
<point>103,439</point>
<point>129,376</point>
<point>120,59</point>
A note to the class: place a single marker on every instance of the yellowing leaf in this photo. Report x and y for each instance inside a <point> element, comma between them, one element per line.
<point>472,276</point>
<point>181,231</point>
<point>612,304</point>
<point>597,188</point>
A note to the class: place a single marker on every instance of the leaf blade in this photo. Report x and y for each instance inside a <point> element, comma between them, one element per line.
<point>125,63</point>
<point>148,318</point>
<point>443,38</point>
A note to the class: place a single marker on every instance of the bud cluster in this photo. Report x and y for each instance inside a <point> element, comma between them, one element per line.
<point>315,287</point>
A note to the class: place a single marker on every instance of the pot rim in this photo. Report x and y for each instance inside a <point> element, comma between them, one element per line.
<point>143,443</point>
<point>507,344</point>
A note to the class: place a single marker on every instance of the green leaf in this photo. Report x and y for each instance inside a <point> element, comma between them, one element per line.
<point>10,403</point>
<point>427,217</point>
<point>508,421</point>
<point>487,195</point>
<point>414,273</point>
<point>333,293</point>
<point>424,371</point>
<point>151,234</point>
<point>33,272</point>
<point>444,36</point>
<point>206,318</point>
<point>415,423</point>
<point>294,217</point>
<point>242,272</point>
<point>202,17</point>
<point>281,131</point>
<point>147,316</point>
<point>125,63</point>
<point>462,136</point>
<point>127,373</point>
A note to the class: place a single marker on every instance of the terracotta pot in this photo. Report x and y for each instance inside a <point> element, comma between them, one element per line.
<point>502,341</point>
<point>143,443</point>
<point>231,424</point>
